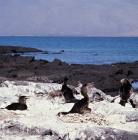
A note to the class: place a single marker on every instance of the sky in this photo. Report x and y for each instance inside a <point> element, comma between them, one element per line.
<point>69,17</point>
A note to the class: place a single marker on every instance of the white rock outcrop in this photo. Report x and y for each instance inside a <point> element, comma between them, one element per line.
<point>107,121</point>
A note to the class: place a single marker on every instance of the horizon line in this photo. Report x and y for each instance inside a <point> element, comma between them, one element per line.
<point>59,36</point>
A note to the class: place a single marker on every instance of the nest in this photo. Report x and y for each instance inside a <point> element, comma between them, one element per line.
<point>94,118</point>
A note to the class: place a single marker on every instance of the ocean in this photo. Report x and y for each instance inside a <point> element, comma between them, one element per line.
<point>79,50</point>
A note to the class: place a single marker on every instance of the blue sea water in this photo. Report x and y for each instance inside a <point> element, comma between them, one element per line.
<point>79,50</point>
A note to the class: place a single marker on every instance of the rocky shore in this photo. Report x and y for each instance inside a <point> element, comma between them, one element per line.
<point>107,121</point>
<point>41,120</point>
<point>106,77</point>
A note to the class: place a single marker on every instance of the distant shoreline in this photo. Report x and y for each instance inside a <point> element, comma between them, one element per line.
<point>65,36</point>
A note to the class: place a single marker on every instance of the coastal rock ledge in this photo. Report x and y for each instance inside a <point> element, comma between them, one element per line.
<point>17,49</point>
<point>105,77</point>
<point>107,121</point>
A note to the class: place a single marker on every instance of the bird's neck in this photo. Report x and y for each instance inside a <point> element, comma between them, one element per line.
<point>22,103</point>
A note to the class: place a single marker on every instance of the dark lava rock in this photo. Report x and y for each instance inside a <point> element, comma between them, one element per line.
<point>17,49</point>
<point>105,77</point>
<point>61,51</point>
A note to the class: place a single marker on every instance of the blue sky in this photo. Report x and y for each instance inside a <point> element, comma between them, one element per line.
<point>69,17</point>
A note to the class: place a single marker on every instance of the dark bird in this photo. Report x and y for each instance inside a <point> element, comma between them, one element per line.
<point>81,106</point>
<point>125,92</point>
<point>67,92</point>
<point>18,106</point>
